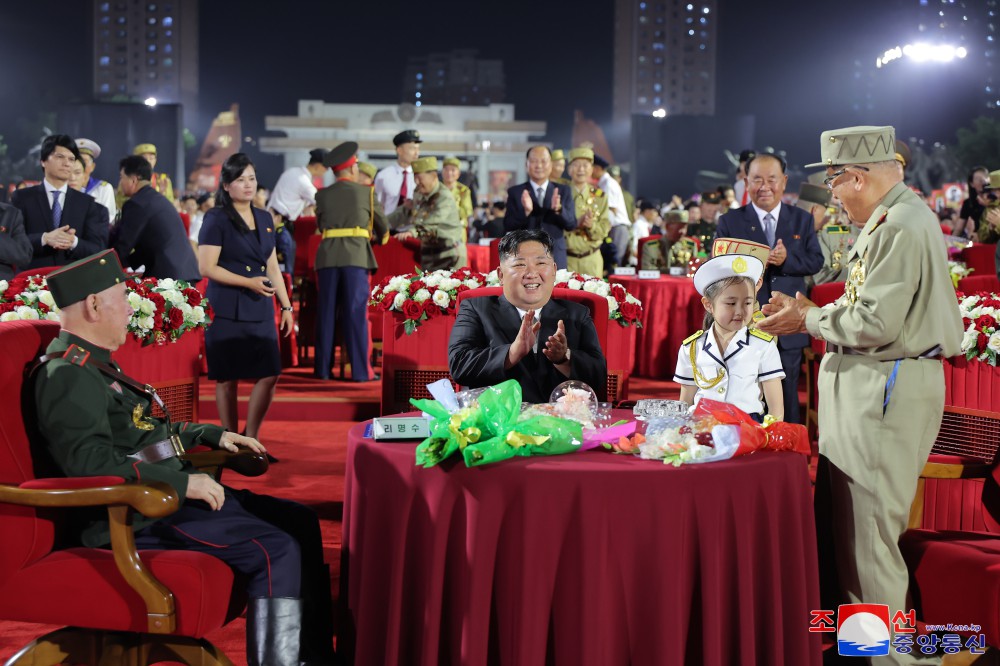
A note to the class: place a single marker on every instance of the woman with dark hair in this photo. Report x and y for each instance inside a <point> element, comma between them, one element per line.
<point>236,254</point>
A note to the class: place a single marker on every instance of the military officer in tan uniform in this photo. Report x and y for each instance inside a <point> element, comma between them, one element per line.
<point>558,167</point>
<point>349,218</point>
<point>450,171</point>
<point>881,385</point>
<point>583,244</point>
<point>366,173</point>
<point>434,216</point>
<point>161,181</point>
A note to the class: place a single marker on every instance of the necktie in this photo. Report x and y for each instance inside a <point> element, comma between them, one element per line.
<point>402,190</point>
<point>541,195</point>
<point>56,209</point>
<point>769,228</point>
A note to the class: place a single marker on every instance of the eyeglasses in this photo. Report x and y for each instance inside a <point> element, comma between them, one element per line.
<point>828,181</point>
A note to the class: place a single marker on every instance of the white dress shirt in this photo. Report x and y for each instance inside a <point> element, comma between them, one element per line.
<point>616,200</point>
<point>534,190</point>
<point>104,194</point>
<point>761,214</point>
<point>49,189</point>
<point>293,192</point>
<point>749,360</point>
<point>389,181</point>
<point>538,318</point>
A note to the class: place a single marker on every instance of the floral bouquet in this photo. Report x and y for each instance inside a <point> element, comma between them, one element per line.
<point>421,296</point>
<point>164,309</point>
<point>491,428</point>
<point>980,314</point>
<point>27,298</point>
<point>958,270</point>
<point>717,431</point>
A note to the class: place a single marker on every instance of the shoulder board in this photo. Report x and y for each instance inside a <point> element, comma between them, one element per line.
<point>76,355</point>
<point>837,229</point>
<point>757,333</point>
<point>691,338</point>
<point>881,221</point>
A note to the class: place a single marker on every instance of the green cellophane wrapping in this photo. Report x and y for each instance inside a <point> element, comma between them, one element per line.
<point>489,431</point>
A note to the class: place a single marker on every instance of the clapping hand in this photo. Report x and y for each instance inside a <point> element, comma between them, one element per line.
<point>61,238</point>
<point>778,254</point>
<point>587,220</point>
<point>527,202</point>
<point>524,343</point>
<point>556,200</point>
<point>785,315</point>
<point>556,345</point>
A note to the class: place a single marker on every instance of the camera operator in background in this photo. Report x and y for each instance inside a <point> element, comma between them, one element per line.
<point>989,221</point>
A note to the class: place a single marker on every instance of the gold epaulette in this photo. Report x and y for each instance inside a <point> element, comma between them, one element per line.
<point>757,333</point>
<point>694,336</point>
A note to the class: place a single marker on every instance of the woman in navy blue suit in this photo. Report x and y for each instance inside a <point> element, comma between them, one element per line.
<point>236,254</point>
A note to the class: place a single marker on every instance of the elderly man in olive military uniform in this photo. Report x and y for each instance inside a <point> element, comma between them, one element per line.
<point>835,240</point>
<point>881,385</point>
<point>96,421</point>
<point>450,171</point>
<point>160,181</point>
<point>583,244</point>
<point>704,229</point>
<point>435,218</point>
<point>349,218</point>
<point>656,253</point>
<point>367,173</point>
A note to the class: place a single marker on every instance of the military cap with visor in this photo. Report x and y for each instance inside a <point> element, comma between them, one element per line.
<point>863,144</point>
<point>407,136</point>
<point>91,275</point>
<point>342,157</point>
<point>425,164</point>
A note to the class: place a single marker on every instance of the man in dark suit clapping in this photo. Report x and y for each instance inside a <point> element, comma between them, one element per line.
<point>795,253</point>
<point>62,224</point>
<point>538,204</point>
<point>150,232</point>
<point>525,334</point>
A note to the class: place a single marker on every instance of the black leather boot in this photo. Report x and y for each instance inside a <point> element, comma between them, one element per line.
<point>273,628</point>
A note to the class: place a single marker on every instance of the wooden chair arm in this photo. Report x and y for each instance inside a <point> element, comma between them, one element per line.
<point>152,499</point>
<point>244,462</point>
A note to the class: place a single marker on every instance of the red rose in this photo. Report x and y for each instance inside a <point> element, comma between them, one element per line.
<point>43,308</point>
<point>417,285</point>
<point>981,342</point>
<point>157,299</point>
<point>561,285</point>
<point>7,307</point>
<point>176,318</point>
<point>412,309</point>
<point>460,288</point>
<point>193,297</point>
<point>619,293</point>
<point>431,308</point>
<point>629,311</point>
<point>387,300</point>
<point>158,320</point>
<point>984,322</point>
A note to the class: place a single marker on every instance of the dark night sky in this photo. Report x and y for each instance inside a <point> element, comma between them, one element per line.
<point>787,66</point>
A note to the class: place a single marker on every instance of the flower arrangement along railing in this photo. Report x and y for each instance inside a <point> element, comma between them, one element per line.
<point>958,270</point>
<point>980,315</point>
<point>421,296</point>
<point>163,310</point>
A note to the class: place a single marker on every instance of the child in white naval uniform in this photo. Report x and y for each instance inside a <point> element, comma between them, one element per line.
<point>727,361</point>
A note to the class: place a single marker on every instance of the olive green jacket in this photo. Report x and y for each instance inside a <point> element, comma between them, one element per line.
<point>345,205</point>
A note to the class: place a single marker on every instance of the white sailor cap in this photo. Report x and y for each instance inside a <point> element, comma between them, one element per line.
<point>727,265</point>
<point>89,147</point>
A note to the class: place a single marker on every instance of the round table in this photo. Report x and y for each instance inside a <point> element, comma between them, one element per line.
<point>671,311</point>
<point>587,558</point>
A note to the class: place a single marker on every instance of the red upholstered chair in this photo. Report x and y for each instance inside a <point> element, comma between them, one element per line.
<point>118,606</point>
<point>41,270</point>
<point>980,257</point>
<point>186,219</point>
<point>305,227</point>
<point>643,241</point>
<point>494,253</point>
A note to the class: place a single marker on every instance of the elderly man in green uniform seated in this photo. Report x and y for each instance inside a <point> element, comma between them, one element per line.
<point>558,166</point>
<point>881,384</point>
<point>656,254</point>
<point>450,172</point>
<point>435,219</point>
<point>583,244</point>
<point>835,239</point>
<point>96,421</point>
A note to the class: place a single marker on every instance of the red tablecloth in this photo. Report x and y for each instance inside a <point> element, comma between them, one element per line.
<point>971,384</point>
<point>479,258</point>
<point>588,558</point>
<point>974,283</point>
<point>671,311</point>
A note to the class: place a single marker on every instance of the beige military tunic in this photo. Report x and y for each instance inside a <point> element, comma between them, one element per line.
<point>436,222</point>
<point>463,197</point>
<point>583,246</point>
<point>836,241</point>
<point>876,428</point>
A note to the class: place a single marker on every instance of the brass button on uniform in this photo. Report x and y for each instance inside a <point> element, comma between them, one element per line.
<point>248,269</point>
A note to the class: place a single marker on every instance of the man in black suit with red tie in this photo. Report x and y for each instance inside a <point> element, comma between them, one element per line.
<point>62,224</point>
<point>795,253</point>
<point>538,204</point>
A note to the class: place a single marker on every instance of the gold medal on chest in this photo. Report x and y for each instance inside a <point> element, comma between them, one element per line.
<point>140,422</point>
<point>855,279</point>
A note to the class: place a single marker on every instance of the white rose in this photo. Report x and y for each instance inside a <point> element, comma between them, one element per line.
<point>441,299</point>
<point>969,339</point>
<point>969,301</point>
<point>173,296</point>
<point>629,298</point>
<point>135,300</point>
<point>432,279</point>
<point>990,311</point>
<point>590,286</point>
<point>563,275</point>
<point>493,279</point>
<point>145,323</point>
<point>29,296</point>
<point>398,283</point>
<point>472,284</point>
<point>612,304</point>
<point>375,291</point>
<point>9,316</point>
<point>166,283</point>
<point>197,314</point>
<point>574,284</point>
<point>974,312</point>
<point>52,316</point>
<point>46,298</point>
<point>24,312</point>
<point>994,343</point>
<point>397,302</point>
<point>449,284</point>
<point>3,286</point>
<point>186,309</point>
<point>146,307</point>
<point>421,295</point>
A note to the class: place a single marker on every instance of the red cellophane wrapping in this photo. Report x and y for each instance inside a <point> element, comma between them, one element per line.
<point>778,436</point>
